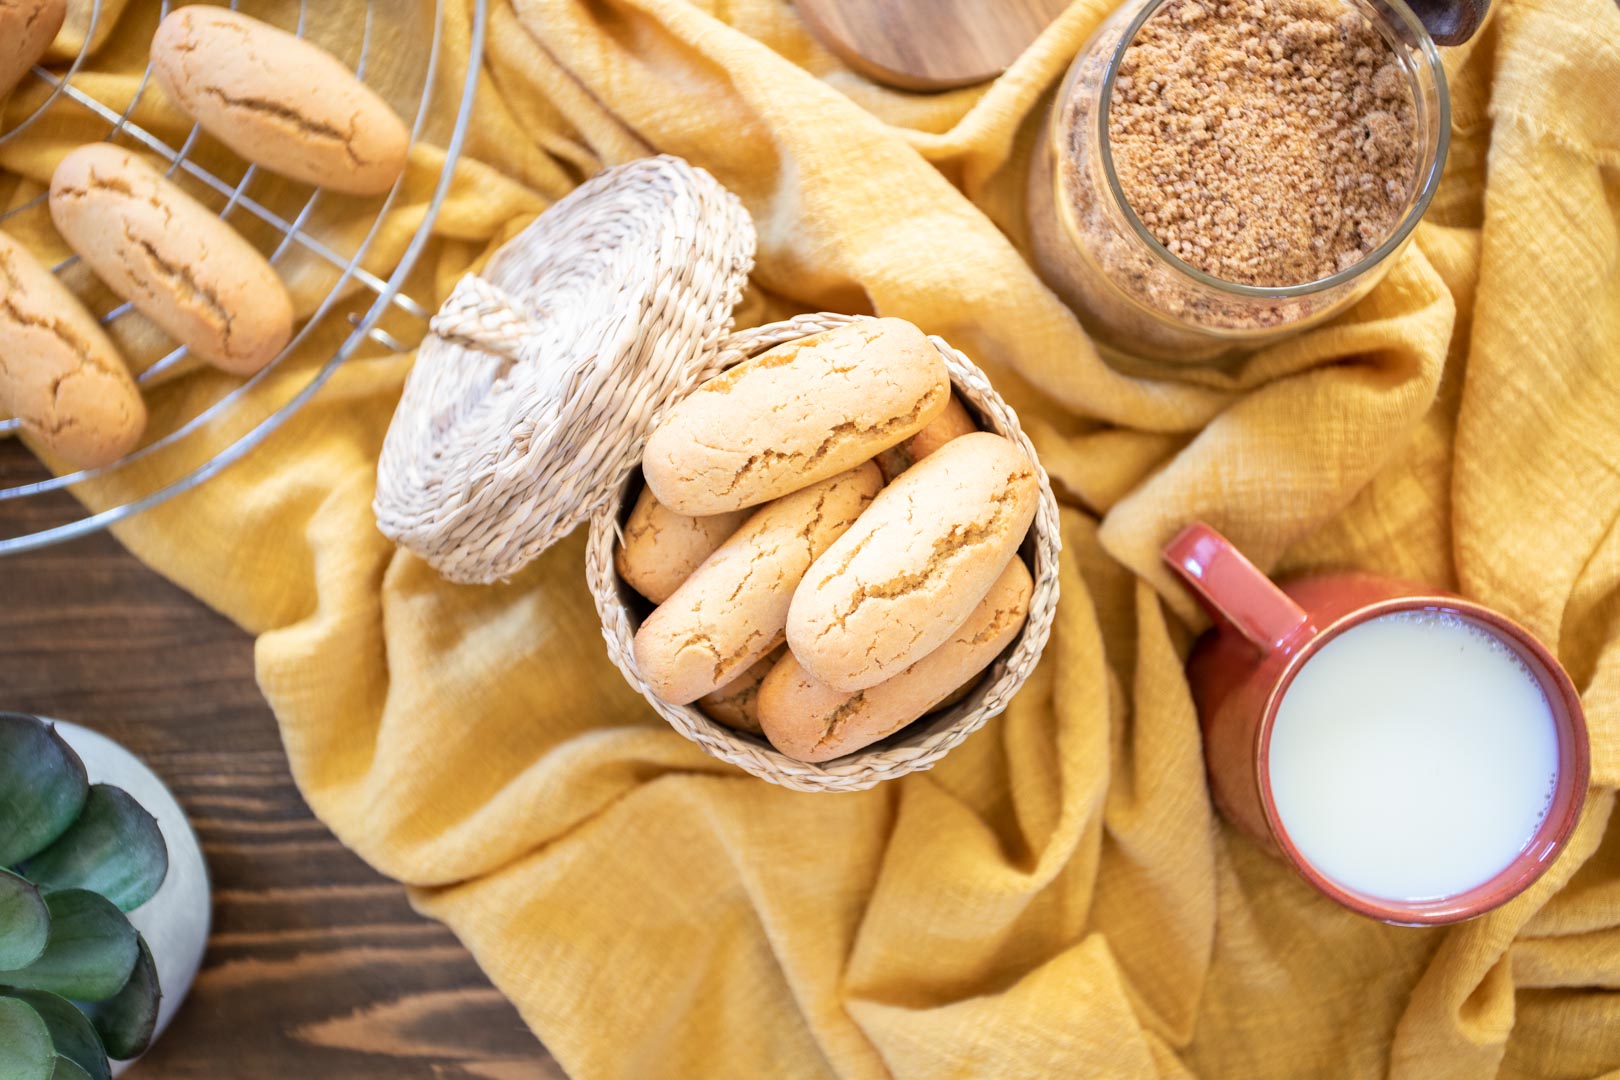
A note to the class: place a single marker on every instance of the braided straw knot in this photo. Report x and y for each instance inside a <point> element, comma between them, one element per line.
<point>481,315</point>
<point>532,398</point>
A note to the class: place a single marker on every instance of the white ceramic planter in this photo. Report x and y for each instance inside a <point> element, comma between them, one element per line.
<point>174,922</point>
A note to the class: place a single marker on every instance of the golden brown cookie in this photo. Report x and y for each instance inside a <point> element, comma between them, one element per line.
<point>892,588</point>
<point>27,28</point>
<point>954,422</point>
<point>166,253</point>
<point>60,375</point>
<point>797,414</point>
<point>661,548</point>
<point>279,100</point>
<point>811,722</point>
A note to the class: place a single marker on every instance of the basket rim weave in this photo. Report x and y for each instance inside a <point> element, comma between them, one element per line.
<point>921,744</point>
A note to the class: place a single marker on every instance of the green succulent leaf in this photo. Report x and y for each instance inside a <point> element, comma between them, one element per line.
<point>127,1020</point>
<point>72,1033</point>
<point>25,922</point>
<point>90,953</point>
<point>25,1043</point>
<point>114,848</point>
<point>42,786</point>
<point>66,1070</point>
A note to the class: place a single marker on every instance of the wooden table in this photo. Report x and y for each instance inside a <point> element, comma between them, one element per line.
<point>318,969</point>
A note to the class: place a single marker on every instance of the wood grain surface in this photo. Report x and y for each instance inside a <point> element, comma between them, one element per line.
<point>318,969</point>
<point>929,44</point>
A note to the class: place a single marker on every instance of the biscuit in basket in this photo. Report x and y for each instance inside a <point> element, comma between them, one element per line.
<point>731,611</point>
<point>810,722</point>
<point>893,587</point>
<point>60,375</point>
<point>661,548</point>
<point>27,28</point>
<point>953,423</point>
<point>799,413</point>
<point>736,704</point>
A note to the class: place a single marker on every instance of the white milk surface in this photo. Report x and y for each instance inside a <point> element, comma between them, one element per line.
<point>1413,757</point>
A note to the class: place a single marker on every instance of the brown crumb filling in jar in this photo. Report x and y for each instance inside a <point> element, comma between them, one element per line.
<point>1264,142</point>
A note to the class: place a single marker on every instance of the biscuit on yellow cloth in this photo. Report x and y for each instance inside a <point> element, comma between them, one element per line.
<point>1057,898</point>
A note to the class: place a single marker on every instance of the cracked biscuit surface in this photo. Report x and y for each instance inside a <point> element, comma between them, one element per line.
<point>802,412</point>
<point>279,100</point>
<point>892,588</point>
<point>166,253</point>
<point>731,611</point>
<point>661,548</point>
<point>811,722</point>
<point>60,374</point>
<point>27,28</point>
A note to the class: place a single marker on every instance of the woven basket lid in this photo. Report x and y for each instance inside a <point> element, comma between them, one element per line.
<point>532,397</point>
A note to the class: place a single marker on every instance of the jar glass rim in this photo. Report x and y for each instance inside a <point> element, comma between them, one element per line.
<point>1416,33</point>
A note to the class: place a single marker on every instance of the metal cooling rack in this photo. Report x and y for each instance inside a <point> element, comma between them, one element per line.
<point>38,509</point>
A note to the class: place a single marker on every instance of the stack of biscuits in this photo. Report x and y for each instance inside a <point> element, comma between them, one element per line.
<point>831,544</point>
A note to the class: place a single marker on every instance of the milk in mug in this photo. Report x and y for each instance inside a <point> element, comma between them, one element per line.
<point>1413,757</point>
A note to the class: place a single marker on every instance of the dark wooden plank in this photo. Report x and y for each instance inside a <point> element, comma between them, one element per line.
<point>317,966</point>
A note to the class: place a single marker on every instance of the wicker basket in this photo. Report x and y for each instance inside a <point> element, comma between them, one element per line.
<point>530,403</point>
<point>913,748</point>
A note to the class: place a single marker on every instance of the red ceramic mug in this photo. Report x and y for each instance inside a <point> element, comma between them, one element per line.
<point>1264,637</point>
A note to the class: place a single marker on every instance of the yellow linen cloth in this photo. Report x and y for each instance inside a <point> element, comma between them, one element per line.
<point>1056,898</point>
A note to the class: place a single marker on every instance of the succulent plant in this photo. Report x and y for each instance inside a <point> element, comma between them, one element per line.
<point>77,982</point>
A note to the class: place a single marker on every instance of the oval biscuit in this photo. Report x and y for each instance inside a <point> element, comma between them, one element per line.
<point>736,704</point>
<point>952,423</point>
<point>279,100</point>
<point>166,253</point>
<point>27,28</point>
<point>892,589</point>
<point>797,414</point>
<point>811,722</point>
<point>661,548</point>
<point>60,375</point>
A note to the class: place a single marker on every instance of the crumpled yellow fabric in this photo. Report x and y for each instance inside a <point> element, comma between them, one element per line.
<point>1057,898</point>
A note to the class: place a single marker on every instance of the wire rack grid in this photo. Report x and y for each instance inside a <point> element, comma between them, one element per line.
<point>41,510</point>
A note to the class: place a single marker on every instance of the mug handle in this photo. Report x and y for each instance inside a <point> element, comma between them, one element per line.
<point>1233,590</point>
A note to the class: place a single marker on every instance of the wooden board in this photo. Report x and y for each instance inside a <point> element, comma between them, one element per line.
<point>317,966</point>
<point>929,44</point>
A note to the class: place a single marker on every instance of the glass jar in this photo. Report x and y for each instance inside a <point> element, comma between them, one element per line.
<point>1127,288</point>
